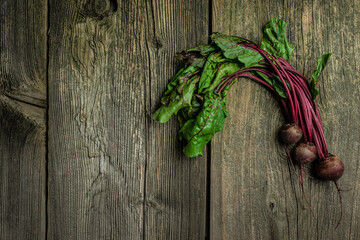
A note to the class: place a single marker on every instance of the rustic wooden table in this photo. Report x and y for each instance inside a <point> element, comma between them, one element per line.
<point>81,157</point>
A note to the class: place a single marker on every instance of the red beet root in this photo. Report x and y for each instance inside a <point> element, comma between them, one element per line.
<point>290,133</point>
<point>332,168</point>
<point>305,153</point>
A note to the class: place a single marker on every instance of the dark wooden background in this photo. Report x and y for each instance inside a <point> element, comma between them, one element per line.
<point>81,158</point>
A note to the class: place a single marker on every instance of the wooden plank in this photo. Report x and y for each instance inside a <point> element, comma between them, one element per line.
<point>254,193</point>
<point>22,119</point>
<point>175,205</point>
<point>96,120</point>
<point>107,73</point>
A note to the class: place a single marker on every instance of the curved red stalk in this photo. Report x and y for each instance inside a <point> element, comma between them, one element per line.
<point>229,79</point>
<point>301,83</point>
<point>318,126</point>
<point>249,76</point>
<point>314,115</point>
<point>265,55</point>
<point>303,126</point>
<point>294,98</point>
<point>307,116</point>
<point>303,108</point>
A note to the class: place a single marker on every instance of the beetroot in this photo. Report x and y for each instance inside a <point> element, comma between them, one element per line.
<point>290,133</point>
<point>305,153</point>
<point>332,168</point>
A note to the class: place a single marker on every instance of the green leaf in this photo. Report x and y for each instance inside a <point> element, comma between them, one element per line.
<point>274,39</point>
<point>211,66</point>
<point>322,61</point>
<point>250,58</point>
<point>204,50</point>
<point>228,44</point>
<point>275,82</point>
<point>265,78</point>
<point>174,81</point>
<point>226,89</point>
<point>279,87</point>
<point>226,69</point>
<point>196,56</point>
<point>182,117</point>
<point>191,111</point>
<point>198,62</point>
<point>178,98</point>
<point>198,132</point>
<point>232,50</point>
<point>191,58</point>
<point>178,81</point>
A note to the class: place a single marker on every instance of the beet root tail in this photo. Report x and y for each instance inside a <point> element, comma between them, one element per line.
<point>341,204</point>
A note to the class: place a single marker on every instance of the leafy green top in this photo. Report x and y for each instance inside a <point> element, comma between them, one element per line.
<point>322,61</point>
<point>192,94</point>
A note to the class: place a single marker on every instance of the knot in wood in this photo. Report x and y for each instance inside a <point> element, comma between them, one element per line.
<point>99,9</point>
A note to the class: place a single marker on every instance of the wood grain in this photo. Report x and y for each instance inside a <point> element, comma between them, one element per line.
<point>96,120</point>
<point>254,193</point>
<point>22,119</point>
<point>113,172</point>
<point>175,204</point>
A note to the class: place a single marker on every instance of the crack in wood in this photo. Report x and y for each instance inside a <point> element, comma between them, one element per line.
<point>27,100</point>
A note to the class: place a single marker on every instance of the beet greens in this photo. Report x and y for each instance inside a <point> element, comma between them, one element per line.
<point>197,95</point>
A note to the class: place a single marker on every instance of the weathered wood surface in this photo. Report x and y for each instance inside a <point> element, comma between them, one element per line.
<point>22,119</point>
<point>175,191</point>
<point>113,172</point>
<point>97,126</point>
<point>254,193</point>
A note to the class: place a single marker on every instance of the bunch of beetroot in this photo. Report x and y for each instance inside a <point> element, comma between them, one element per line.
<point>197,95</point>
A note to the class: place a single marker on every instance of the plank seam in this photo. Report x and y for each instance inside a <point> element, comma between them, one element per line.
<point>208,155</point>
<point>47,4</point>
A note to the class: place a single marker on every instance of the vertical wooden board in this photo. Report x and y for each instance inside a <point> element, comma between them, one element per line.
<point>250,181</point>
<point>97,138</point>
<point>22,119</point>
<point>175,205</point>
<point>254,193</point>
<point>338,22</point>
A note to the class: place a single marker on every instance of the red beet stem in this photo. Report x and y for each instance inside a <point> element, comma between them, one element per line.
<point>270,61</point>
<point>302,107</point>
<point>241,73</point>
